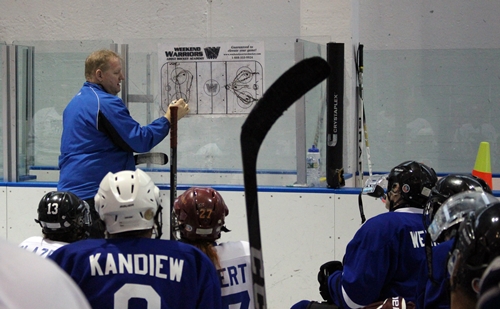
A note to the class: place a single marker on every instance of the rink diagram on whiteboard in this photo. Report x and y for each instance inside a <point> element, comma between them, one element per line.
<point>214,87</point>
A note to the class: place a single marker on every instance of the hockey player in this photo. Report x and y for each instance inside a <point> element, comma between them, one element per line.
<point>28,281</point>
<point>477,244</point>
<point>129,268</point>
<point>489,293</point>
<point>64,218</point>
<point>450,200</point>
<point>382,259</point>
<point>396,302</point>
<point>200,217</point>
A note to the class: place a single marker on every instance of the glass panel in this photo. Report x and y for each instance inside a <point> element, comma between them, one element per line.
<point>421,106</point>
<point>208,143</point>
<point>59,74</point>
<point>316,107</point>
<point>142,77</point>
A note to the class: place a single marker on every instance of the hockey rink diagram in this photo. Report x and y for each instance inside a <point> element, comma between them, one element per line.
<point>215,87</point>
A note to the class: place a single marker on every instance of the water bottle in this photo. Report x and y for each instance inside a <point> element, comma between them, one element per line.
<point>313,165</point>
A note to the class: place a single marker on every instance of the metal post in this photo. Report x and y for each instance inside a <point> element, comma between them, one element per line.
<point>300,126</point>
<point>30,107</point>
<point>9,113</point>
<point>124,55</point>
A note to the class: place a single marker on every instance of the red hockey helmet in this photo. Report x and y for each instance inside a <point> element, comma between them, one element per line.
<point>200,214</point>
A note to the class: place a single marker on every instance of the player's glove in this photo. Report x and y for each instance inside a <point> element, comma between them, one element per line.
<point>182,109</point>
<point>324,272</point>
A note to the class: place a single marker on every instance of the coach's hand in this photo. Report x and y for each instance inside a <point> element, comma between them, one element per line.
<point>182,109</point>
<point>324,272</point>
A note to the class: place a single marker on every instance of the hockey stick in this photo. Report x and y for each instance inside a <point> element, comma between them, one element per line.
<point>365,129</point>
<point>288,88</point>
<point>359,177</point>
<point>159,158</point>
<point>173,164</point>
<point>363,132</point>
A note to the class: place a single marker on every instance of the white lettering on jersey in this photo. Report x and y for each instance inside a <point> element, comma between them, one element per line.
<point>232,275</point>
<point>94,265</point>
<point>417,239</point>
<point>110,265</point>
<point>125,263</point>
<point>176,269</point>
<point>139,264</point>
<point>395,302</point>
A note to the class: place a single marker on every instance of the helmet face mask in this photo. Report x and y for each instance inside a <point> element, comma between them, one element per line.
<point>476,245</point>
<point>454,210</point>
<point>376,186</point>
<point>447,187</point>
<point>64,213</point>
<point>129,201</point>
<point>199,214</point>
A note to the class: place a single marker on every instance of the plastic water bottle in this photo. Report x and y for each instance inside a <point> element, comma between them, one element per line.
<point>313,165</point>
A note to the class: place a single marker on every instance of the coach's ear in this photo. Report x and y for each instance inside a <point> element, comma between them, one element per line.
<point>476,285</point>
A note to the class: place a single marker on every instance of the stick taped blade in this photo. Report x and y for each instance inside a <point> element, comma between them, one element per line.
<point>159,158</point>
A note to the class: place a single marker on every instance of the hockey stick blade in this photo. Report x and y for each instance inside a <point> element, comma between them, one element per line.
<point>159,158</point>
<point>287,89</point>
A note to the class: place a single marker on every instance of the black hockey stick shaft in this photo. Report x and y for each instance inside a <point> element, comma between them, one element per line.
<point>287,89</point>
<point>173,163</point>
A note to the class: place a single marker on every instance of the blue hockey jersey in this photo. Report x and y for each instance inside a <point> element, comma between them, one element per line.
<point>382,260</point>
<point>435,294</point>
<point>100,136</point>
<point>141,273</point>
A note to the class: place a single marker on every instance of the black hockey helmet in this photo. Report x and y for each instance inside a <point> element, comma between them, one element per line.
<point>447,186</point>
<point>489,294</point>
<point>484,184</point>
<point>415,182</point>
<point>64,213</point>
<point>447,218</point>
<point>477,243</point>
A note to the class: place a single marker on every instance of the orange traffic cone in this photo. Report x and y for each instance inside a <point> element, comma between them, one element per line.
<point>482,168</point>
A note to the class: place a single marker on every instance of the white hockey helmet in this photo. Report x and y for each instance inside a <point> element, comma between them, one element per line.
<point>127,201</point>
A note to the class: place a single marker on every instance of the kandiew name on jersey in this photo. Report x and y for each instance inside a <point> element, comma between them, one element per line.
<point>160,266</point>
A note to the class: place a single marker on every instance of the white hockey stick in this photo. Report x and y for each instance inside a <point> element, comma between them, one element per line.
<point>159,158</point>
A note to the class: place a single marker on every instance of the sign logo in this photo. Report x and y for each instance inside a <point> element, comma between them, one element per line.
<point>212,52</point>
